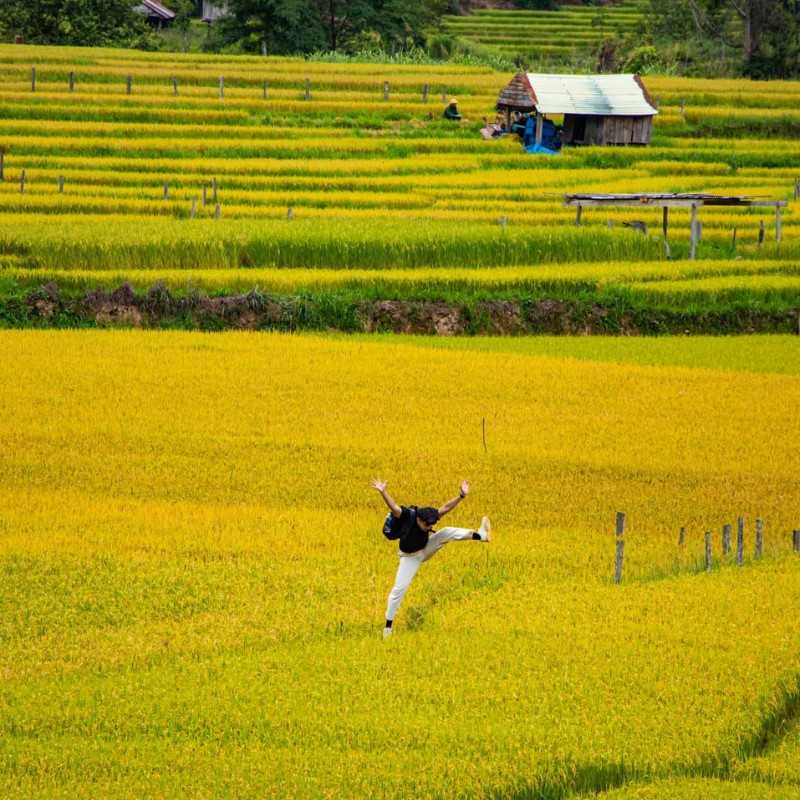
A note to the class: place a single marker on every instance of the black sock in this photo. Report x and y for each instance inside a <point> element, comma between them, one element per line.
<point>389,623</point>
<point>476,535</point>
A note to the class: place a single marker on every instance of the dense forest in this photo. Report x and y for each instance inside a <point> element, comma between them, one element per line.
<point>757,38</point>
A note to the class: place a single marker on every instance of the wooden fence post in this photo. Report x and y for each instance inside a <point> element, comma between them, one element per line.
<point>759,537</point>
<point>61,184</point>
<point>22,183</point>
<point>33,79</point>
<point>2,166</point>
<point>708,551</point>
<point>205,199</point>
<point>221,87</point>
<point>682,537</point>
<point>796,540</point>
<point>620,530</point>
<point>734,237</point>
<point>194,206</point>
<point>308,88</point>
<point>503,222</point>
<point>129,83</point>
<point>265,90</point>
<point>796,188</point>
<point>216,212</point>
<point>683,107</point>
<point>693,244</point>
<point>71,82</point>
<point>761,233</point>
<point>386,91</point>
<point>289,214</point>
<point>215,190</point>
<point>740,542</point>
<point>578,216</point>
<point>425,89</point>
<point>726,540</point>
<point>175,86</point>
<point>166,190</point>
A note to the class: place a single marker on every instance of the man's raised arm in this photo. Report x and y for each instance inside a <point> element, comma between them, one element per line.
<point>451,504</point>
<point>380,485</point>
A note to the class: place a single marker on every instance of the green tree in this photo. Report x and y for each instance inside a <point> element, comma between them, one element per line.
<point>99,23</point>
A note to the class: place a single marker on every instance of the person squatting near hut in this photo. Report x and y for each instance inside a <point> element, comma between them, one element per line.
<point>451,111</point>
<point>413,527</point>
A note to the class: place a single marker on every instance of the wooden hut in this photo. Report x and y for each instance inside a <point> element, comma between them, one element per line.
<point>597,109</point>
<point>155,13</point>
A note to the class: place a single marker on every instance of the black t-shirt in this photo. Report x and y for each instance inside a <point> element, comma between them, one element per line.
<point>416,538</point>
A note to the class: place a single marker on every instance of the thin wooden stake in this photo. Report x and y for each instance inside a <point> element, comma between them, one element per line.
<point>129,83</point>
<point>726,540</point>
<point>265,90</point>
<point>33,79</point>
<point>683,107</point>
<point>708,551</point>
<point>620,523</point>
<point>425,89</point>
<point>386,91</point>
<point>61,184</point>
<point>175,86</point>
<point>215,190</point>
<point>740,542</point>
<point>578,216</point>
<point>22,183</point>
<point>693,244</point>
<point>166,190</point>
<point>761,233</point>
<point>796,540</point>
<point>682,537</point>
<point>71,82</point>
<point>216,212</point>
<point>2,166</point>
<point>665,221</point>
<point>734,237</point>
<point>503,222</point>
<point>205,198</point>
<point>290,214</point>
<point>796,188</point>
<point>777,223</point>
<point>308,88</point>
<point>221,87</point>
<point>483,425</point>
<point>759,537</point>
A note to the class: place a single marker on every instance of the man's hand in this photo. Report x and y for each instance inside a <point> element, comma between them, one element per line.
<point>380,485</point>
<point>465,488</point>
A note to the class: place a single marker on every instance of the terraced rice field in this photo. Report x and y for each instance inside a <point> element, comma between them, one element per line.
<point>194,580</point>
<point>120,185</point>
<point>571,32</point>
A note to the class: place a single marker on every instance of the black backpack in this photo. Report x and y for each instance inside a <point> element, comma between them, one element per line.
<point>397,527</point>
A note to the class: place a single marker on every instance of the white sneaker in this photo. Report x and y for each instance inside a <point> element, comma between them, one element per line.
<point>387,632</point>
<point>485,530</point>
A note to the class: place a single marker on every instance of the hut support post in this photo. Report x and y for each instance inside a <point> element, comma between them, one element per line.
<point>508,120</point>
<point>665,221</point>
<point>693,245</point>
<point>539,127</point>
<point>578,216</point>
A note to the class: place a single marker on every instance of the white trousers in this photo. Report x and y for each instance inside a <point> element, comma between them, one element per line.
<point>411,562</point>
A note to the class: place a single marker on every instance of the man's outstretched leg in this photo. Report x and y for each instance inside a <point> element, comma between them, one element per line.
<point>445,535</point>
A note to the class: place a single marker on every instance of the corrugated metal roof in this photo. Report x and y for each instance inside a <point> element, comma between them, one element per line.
<point>155,8</point>
<point>597,95</point>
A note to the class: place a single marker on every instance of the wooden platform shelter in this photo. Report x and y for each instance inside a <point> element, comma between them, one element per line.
<point>597,109</point>
<point>667,201</point>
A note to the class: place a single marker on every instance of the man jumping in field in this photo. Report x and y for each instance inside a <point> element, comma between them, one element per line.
<point>416,543</point>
